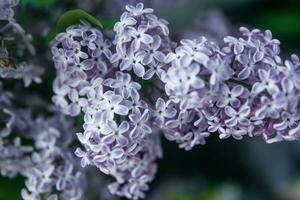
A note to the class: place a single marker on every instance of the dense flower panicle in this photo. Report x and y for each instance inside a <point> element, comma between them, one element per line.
<point>6,9</point>
<point>81,54</point>
<point>198,69</point>
<point>117,138</point>
<point>53,167</point>
<point>142,42</point>
<point>46,162</point>
<point>254,50</point>
<point>273,98</point>
<point>240,89</point>
<point>10,65</point>
<point>24,70</point>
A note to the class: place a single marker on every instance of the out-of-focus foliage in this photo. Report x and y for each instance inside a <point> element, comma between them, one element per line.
<point>285,23</point>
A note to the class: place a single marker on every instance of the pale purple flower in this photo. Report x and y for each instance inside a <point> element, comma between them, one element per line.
<point>269,108</point>
<point>140,37</point>
<point>288,120</point>
<point>108,157</point>
<point>140,124</point>
<point>133,61</point>
<point>88,39</point>
<point>85,160</point>
<point>239,117</point>
<point>162,111</point>
<point>268,82</point>
<point>125,20</point>
<point>76,53</point>
<point>230,96</point>
<point>291,70</point>
<point>116,133</point>
<point>138,10</point>
<point>112,104</point>
<point>235,133</point>
<point>122,84</point>
<point>220,71</point>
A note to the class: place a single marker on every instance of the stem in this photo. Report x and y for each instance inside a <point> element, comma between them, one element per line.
<point>248,86</point>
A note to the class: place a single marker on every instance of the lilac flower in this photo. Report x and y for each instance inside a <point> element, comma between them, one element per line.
<point>125,21</point>
<point>37,163</point>
<point>236,134</point>
<point>162,111</point>
<point>288,94</point>
<point>136,104</point>
<point>122,84</point>
<point>133,61</point>
<point>248,66</point>
<point>192,54</point>
<point>139,36</point>
<point>77,66</point>
<point>215,125</point>
<point>65,175</point>
<point>77,103</point>
<point>115,133</point>
<point>152,51</point>
<point>109,157</point>
<point>234,90</point>
<point>89,40</point>
<point>138,10</point>
<point>230,96</point>
<point>76,53</point>
<point>113,105</point>
<point>6,8</point>
<point>237,117</point>
<point>238,46</point>
<point>289,120</point>
<point>85,160</point>
<point>269,108</point>
<point>141,40</point>
<point>220,71</point>
<point>291,70</point>
<point>268,82</point>
<point>140,127</point>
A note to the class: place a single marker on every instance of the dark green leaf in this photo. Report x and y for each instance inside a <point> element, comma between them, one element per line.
<point>285,23</point>
<point>73,17</point>
<point>10,189</point>
<point>109,23</point>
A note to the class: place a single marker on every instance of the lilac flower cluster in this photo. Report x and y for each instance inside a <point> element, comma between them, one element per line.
<point>117,138</point>
<point>142,41</point>
<point>24,70</point>
<point>81,55</point>
<point>46,162</point>
<point>6,9</point>
<point>49,168</point>
<point>193,80</point>
<point>240,89</point>
<point>10,65</point>
<point>53,171</point>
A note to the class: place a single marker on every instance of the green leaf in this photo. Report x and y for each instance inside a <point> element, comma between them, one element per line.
<point>79,120</point>
<point>10,189</point>
<point>109,23</point>
<point>73,17</point>
<point>284,23</point>
<point>69,18</point>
